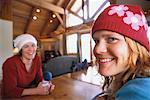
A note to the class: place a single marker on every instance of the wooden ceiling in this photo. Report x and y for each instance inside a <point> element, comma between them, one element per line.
<point>45,24</point>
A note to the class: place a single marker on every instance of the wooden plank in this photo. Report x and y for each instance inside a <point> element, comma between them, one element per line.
<point>29,20</point>
<point>80,28</point>
<point>6,9</point>
<point>45,25</point>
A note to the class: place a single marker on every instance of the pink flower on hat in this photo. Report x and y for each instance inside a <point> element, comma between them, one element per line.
<point>144,21</point>
<point>120,10</point>
<point>134,19</point>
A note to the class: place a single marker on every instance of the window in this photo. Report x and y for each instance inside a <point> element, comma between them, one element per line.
<point>73,19</point>
<point>71,41</point>
<point>85,47</point>
<point>96,7</point>
<point>77,14</point>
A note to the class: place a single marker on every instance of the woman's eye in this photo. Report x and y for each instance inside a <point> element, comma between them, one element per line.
<point>111,39</point>
<point>25,46</point>
<point>33,45</point>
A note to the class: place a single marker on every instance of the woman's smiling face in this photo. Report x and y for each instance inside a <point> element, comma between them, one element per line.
<point>111,52</point>
<point>29,51</point>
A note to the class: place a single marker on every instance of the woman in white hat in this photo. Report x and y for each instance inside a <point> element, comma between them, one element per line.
<point>22,73</point>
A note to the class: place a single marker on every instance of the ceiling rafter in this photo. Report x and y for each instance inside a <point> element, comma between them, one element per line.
<point>70,4</point>
<point>45,5</point>
<point>60,19</point>
<point>60,2</point>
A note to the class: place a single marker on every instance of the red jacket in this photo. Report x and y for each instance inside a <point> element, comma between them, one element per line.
<point>16,78</point>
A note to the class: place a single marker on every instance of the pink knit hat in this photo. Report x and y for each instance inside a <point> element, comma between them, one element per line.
<point>128,20</point>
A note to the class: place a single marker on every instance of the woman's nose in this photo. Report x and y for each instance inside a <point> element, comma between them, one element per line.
<point>100,48</point>
<point>31,48</point>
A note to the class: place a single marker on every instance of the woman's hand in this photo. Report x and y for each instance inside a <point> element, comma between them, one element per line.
<point>52,86</point>
<point>42,90</point>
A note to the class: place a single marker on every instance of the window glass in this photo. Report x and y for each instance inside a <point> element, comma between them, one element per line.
<point>95,7</point>
<point>73,19</point>
<point>71,41</point>
<point>85,47</point>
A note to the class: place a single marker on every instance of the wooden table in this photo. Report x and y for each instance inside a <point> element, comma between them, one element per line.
<point>67,88</point>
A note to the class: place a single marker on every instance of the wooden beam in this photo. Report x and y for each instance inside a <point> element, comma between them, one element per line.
<point>80,28</point>
<point>83,28</point>
<point>59,18</point>
<point>44,4</point>
<point>45,39</point>
<point>78,31</point>
<point>70,4</point>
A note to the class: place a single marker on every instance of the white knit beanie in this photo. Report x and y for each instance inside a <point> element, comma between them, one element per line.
<point>21,40</point>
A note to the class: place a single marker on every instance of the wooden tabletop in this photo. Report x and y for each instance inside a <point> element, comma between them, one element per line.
<point>68,88</point>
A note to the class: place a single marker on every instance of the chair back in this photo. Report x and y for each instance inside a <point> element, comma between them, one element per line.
<point>60,65</point>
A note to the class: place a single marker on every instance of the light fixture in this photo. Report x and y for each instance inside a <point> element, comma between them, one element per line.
<point>38,10</point>
<point>54,16</point>
<point>34,17</point>
<point>50,21</point>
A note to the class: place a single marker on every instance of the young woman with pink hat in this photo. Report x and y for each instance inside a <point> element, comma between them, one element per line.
<point>122,52</point>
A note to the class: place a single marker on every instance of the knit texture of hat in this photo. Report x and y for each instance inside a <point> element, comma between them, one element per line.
<point>127,20</point>
<point>21,40</point>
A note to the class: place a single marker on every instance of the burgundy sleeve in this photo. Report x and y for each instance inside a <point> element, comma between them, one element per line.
<point>39,76</point>
<point>10,88</point>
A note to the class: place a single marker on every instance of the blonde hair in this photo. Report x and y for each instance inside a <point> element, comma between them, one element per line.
<point>139,63</point>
